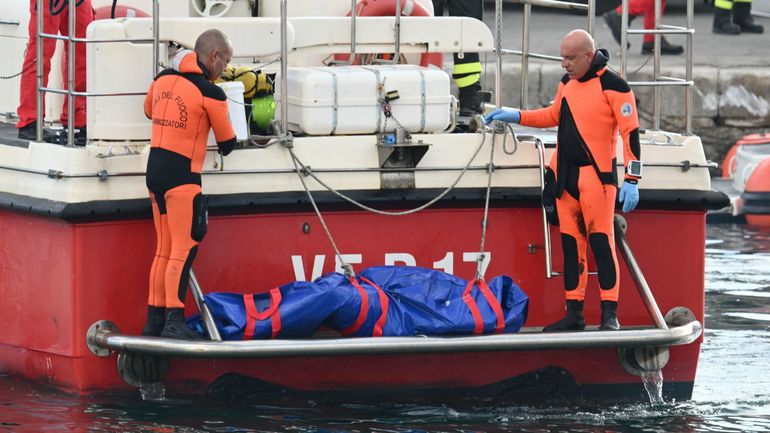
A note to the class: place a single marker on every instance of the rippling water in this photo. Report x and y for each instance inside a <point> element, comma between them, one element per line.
<point>732,389</point>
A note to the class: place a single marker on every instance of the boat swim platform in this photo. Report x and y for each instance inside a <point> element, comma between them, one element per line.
<point>103,338</point>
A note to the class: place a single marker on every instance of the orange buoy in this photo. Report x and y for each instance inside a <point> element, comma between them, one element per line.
<point>728,164</point>
<point>381,8</point>
<point>756,195</point>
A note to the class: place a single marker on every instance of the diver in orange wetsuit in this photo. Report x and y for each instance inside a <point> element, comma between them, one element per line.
<point>183,105</point>
<point>591,106</point>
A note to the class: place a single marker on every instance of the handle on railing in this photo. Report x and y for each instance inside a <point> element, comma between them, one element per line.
<point>546,226</point>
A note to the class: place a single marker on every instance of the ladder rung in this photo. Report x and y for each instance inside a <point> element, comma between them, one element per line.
<point>532,55</point>
<point>662,31</point>
<point>662,83</point>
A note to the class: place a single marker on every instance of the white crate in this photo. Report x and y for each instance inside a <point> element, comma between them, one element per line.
<point>344,99</point>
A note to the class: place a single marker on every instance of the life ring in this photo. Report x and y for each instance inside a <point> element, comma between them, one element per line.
<point>728,163</point>
<point>121,11</point>
<point>382,8</point>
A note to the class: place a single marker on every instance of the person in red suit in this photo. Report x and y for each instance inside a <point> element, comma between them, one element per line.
<point>55,20</point>
<point>646,8</point>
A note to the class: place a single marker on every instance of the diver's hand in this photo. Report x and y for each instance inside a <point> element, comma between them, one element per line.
<point>629,196</point>
<point>510,115</point>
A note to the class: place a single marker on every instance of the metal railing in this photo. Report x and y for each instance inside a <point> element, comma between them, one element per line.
<point>525,53</point>
<point>71,39</point>
<point>659,80</point>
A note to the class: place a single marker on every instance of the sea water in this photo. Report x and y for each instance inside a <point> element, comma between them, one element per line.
<point>732,387</point>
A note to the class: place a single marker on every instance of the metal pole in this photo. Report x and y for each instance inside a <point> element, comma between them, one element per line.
<point>352,55</point>
<point>688,70</point>
<point>624,40</point>
<point>499,51</point>
<point>284,70</point>
<point>525,55</point>
<point>546,227</point>
<point>39,97</point>
<point>208,319</point>
<point>397,54</point>
<point>155,37</point>
<point>71,75</point>
<point>591,16</point>
<point>636,274</point>
<point>105,338</point>
<point>656,67</point>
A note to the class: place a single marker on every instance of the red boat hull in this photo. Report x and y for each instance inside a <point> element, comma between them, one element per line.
<point>60,277</point>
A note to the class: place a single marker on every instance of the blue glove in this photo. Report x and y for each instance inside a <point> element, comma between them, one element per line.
<point>629,196</point>
<point>507,115</point>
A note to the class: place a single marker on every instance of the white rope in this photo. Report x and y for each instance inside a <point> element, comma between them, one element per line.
<point>387,213</point>
<point>490,169</point>
<point>346,266</point>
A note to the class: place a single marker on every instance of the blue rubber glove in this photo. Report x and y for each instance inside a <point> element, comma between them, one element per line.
<point>507,115</point>
<point>629,196</point>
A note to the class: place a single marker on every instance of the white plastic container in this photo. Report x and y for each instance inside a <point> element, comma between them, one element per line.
<point>235,109</point>
<point>345,99</point>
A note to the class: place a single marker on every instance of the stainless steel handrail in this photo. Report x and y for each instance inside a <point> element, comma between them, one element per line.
<point>59,37</point>
<point>627,338</point>
<point>10,22</point>
<point>659,81</point>
<point>59,174</point>
<point>200,301</point>
<point>352,55</point>
<point>65,92</point>
<point>71,40</point>
<point>397,35</point>
<point>39,97</point>
<point>546,226</point>
<point>636,273</point>
<point>284,69</point>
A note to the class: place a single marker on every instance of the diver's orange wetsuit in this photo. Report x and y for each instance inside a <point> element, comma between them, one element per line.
<point>183,106</point>
<point>589,112</point>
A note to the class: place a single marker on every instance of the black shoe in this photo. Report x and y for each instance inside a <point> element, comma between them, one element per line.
<point>743,19</point>
<point>609,316</point>
<point>81,136</point>
<point>156,320</point>
<point>176,327</point>
<point>471,100</point>
<point>723,23</point>
<point>29,132</point>
<point>573,321</point>
<point>615,22</point>
<point>665,47</point>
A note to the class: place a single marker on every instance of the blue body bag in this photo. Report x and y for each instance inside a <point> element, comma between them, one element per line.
<point>380,301</point>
